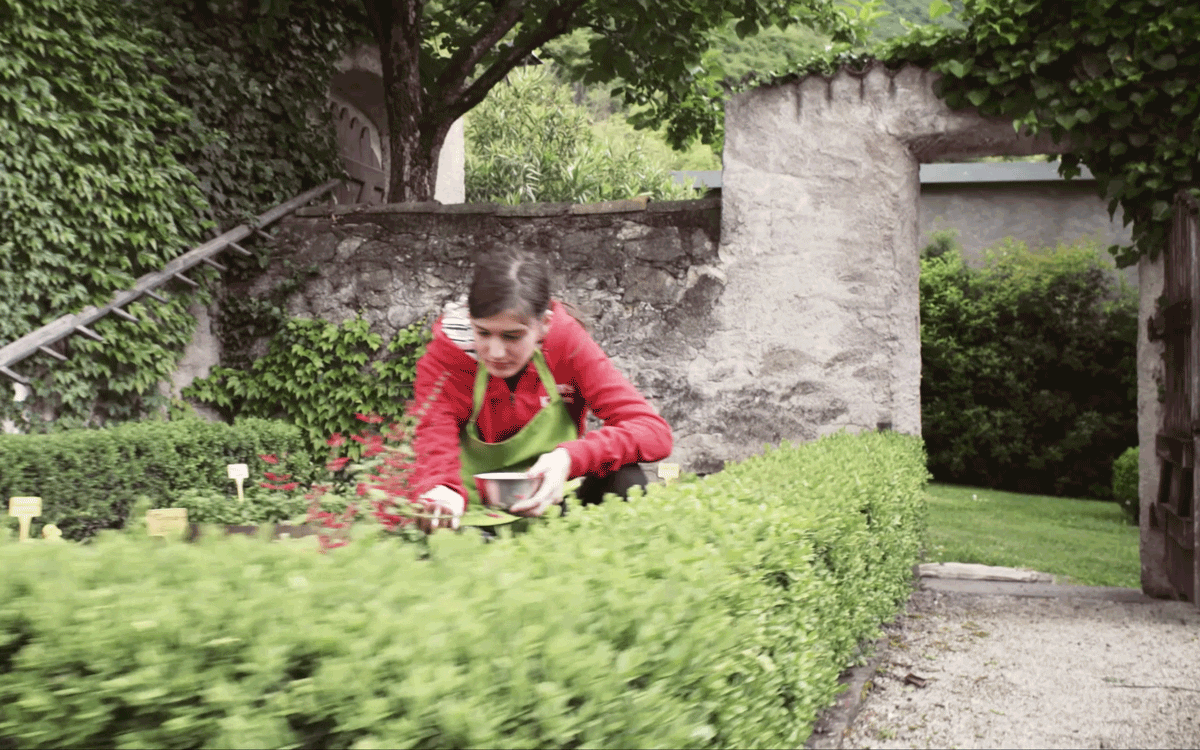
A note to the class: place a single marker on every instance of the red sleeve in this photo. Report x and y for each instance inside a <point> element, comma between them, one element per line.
<point>442,399</point>
<point>633,431</point>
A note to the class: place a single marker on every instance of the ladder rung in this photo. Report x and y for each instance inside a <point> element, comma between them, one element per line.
<point>155,296</point>
<point>20,379</point>
<point>89,333</point>
<point>51,353</point>
<point>239,249</point>
<point>123,315</point>
<point>214,264</point>
<point>186,280</point>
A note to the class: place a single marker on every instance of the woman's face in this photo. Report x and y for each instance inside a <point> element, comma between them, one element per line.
<point>505,342</point>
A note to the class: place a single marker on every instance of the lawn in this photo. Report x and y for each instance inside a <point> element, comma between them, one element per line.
<point>1084,542</point>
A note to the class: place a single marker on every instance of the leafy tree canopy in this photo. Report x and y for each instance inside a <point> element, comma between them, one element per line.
<point>440,58</point>
<point>530,142</point>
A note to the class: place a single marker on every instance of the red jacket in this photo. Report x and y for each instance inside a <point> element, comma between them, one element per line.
<point>632,432</point>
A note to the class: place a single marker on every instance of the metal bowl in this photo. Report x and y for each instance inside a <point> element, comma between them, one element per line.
<point>504,488</point>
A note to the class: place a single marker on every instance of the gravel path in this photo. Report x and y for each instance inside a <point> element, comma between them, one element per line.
<point>1074,669</point>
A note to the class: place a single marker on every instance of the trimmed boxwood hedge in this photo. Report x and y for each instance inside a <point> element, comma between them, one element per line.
<point>90,479</point>
<point>715,612</point>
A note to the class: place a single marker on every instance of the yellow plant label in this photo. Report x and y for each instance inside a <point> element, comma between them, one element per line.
<point>166,521</point>
<point>25,506</point>
<point>668,472</point>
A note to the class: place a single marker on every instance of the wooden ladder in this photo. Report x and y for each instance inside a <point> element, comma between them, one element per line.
<point>39,341</point>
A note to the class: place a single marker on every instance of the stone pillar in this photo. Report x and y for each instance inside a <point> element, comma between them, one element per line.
<point>819,245</point>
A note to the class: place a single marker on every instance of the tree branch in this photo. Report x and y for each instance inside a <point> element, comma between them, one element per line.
<point>558,22</point>
<point>464,60</point>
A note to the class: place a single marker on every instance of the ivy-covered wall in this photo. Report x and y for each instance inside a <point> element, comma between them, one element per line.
<point>127,131</point>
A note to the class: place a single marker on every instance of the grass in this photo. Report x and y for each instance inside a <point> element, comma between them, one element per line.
<point>1085,542</point>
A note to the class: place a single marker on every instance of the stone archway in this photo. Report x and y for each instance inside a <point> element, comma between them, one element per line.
<point>819,250</point>
<point>818,321</point>
<point>357,104</point>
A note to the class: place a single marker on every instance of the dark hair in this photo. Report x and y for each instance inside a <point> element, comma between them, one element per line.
<point>506,280</point>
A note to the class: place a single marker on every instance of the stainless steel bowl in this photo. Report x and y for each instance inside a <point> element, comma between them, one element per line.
<point>504,488</point>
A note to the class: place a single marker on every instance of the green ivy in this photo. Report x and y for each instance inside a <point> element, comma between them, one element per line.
<point>255,82</point>
<point>318,375</point>
<point>93,198</point>
<point>1115,82</point>
<point>125,128</point>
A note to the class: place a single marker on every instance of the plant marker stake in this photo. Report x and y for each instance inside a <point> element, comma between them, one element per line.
<point>166,522</point>
<point>239,473</point>
<point>668,472</point>
<point>24,508</point>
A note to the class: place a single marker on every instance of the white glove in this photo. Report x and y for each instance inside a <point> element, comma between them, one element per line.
<point>448,507</point>
<point>552,468</point>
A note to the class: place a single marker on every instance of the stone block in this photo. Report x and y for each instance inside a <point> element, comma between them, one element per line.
<point>611,207</point>
<point>650,286</point>
<point>535,209</point>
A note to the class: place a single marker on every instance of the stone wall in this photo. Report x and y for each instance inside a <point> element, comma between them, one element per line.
<point>820,242</point>
<point>784,311</point>
<point>645,277</point>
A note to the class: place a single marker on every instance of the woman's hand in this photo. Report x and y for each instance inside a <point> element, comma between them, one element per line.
<point>552,468</point>
<point>447,506</point>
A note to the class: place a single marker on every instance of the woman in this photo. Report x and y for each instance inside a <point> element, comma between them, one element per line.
<point>508,383</point>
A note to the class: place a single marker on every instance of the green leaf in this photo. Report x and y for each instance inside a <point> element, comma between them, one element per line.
<point>939,8</point>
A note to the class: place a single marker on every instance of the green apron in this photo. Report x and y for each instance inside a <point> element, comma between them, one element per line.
<point>548,428</point>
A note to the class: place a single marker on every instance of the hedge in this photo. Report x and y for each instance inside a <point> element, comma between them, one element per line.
<point>90,479</point>
<point>1125,479</point>
<point>715,612</point>
<point>1028,368</point>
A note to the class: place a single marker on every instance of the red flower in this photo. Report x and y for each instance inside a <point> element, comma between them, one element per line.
<point>276,477</point>
<point>270,458</point>
<point>336,440</point>
<point>369,418</point>
<point>338,464</point>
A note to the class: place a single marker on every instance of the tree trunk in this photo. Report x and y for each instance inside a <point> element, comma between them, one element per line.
<point>414,136</point>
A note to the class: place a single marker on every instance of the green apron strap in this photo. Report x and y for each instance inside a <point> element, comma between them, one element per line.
<point>549,427</point>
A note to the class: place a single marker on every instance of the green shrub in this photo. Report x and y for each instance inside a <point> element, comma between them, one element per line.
<point>208,506</point>
<point>90,479</point>
<point>1125,484</point>
<point>530,142</point>
<point>714,612</point>
<point>259,507</point>
<point>317,375</point>
<point>1028,369</point>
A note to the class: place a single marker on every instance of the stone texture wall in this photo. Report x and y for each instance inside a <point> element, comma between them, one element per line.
<point>820,245</point>
<point>1038,213</point>
<point>644,276</point>
<point>787,310</point>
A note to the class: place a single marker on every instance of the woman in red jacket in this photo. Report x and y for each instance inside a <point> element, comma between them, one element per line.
<point>507,385</point>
